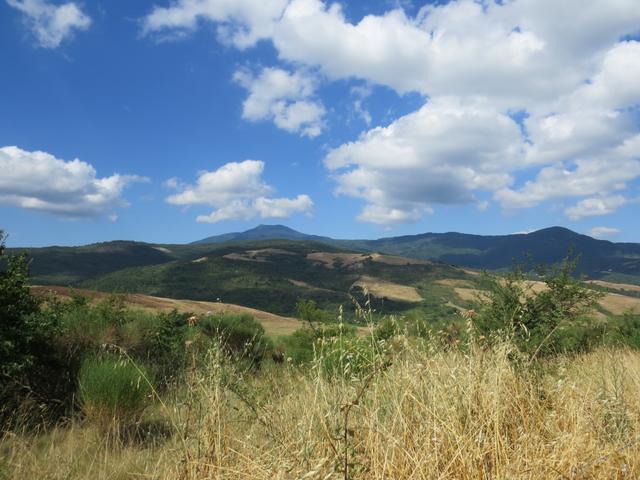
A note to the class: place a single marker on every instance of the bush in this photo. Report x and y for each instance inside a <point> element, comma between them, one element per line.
<point>29,362</point>
<point>347,356</point>
<point>332,345</point>
<point>113,389</point>
<point>240,335</point>
<point>545,322</point>
<point>164,347</point>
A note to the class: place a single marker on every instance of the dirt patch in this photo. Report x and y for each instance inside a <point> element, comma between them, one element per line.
<point>261,255</point>
<point>354,260</point>
<point>468,294</point>
<point>471,272</point>
<point>200,260</point>
<point>394,260</point>
<point>393,291</point>
<point>615,286</point>
<point>270,251</point>
<point>619,304</point>
<point>301,284</point>
<point>330,260</point>
<point>453,282</point>
<point>162,249</point>
<point>273,324</point>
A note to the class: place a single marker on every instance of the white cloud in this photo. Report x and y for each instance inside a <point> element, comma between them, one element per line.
<point>593,207</point>
<point>241,22</point>
<point>477,62</point>
<point>236,191</point>
<point>283,97</point>
<point>39,181</point>
<point>603,232</point>
<point>440,154</point>
<point>50,23</point>
<point>583,178</point>
<point>384,215</point>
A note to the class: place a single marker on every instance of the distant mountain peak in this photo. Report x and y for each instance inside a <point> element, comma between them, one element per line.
<point>263,232</point>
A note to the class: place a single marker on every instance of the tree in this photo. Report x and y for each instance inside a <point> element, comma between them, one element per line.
<point>537,320</point>
<point>30,367</point>
<point>17,304</point>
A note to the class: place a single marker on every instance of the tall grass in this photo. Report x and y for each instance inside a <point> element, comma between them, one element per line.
<point>113,390</point>
<point>428,413</point>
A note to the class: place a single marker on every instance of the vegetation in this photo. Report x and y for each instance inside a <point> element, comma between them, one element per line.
<point>113,389</point>
<point>526,385</point>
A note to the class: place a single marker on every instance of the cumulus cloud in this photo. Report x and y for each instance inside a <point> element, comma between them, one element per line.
<point>603,232</point>
<point>39,181</point>
<point>241,22</point>
<point>51,24</point>
<point>583,178</point>
<point>283,97</point>
<point>440,154</point>
<point>479,65</point>
<point>236,191</point>
<point>593,207</point>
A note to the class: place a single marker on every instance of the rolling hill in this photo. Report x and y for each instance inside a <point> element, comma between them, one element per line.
<point>273,275</point>
<point>423,274</point>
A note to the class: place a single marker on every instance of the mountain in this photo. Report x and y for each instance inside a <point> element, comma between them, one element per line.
<point>263,232</point>
<point>598,258</point>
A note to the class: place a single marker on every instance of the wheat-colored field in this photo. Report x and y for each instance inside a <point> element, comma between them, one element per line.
<point>273,324</point>
<point>430,414</point>
<point>383,288</point>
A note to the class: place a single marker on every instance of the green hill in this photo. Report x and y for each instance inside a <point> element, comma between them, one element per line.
<point>273,275</point>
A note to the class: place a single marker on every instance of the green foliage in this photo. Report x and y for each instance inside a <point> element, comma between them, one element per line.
<point>240,335</point>
<point>19,329</point>
<point>30,368</point>
<point>308,311</point>
<point>163,346</point>
<point>541,322</point>
<point>302,345</point>
<point>113,388</point>
<point>348,356</point>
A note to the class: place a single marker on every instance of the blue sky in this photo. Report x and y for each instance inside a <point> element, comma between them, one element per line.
<point>168,121</point>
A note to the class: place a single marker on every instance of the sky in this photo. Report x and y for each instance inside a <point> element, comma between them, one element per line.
<point>171,120</point>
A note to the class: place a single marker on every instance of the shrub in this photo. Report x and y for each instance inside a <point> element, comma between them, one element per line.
<point>347,356</point>
<point>113,389</point>
<point>29,362</point>
<point>163,346</point>
<point>538,321</point>
<point>308,311</point>
<point>240,335</point>
<point>335,348</point>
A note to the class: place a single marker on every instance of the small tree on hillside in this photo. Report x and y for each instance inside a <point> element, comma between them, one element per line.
<point>537,320</point>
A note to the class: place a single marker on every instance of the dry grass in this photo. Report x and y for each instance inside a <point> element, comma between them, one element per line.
<point>432,414</point>
<point>616,286</point>
<point>393,291</point>
<point>262,255</point>
<point>274,325</point>
<point>619,304</point>
<point>355,260</point>
<point>615,303</point>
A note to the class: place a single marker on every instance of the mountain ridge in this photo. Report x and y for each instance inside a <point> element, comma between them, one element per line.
<point>600,259</point>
